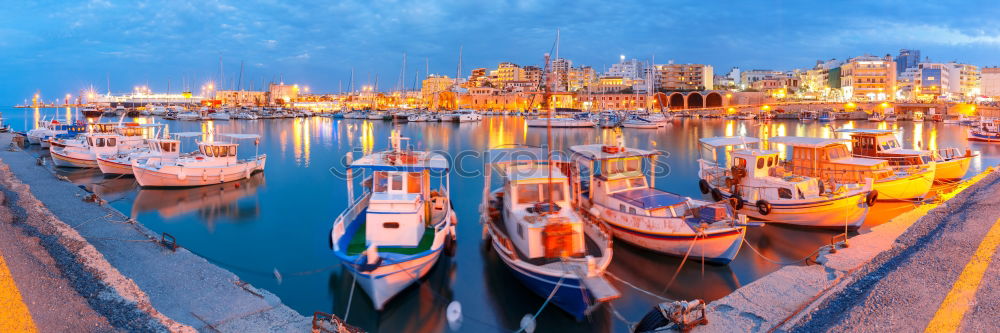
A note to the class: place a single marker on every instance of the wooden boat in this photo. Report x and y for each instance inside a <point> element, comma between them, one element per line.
<point>121,162</point>
<point>985,131</point>
<point>951,164</point>
<point>619,195</point>
<point>394,234</point>
<point>85,155</point>
<point>214,163</point>
<point>534,229</point>
<point>829,160</point>
<point>751,180</point>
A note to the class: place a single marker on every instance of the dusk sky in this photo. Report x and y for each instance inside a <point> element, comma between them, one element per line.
<point>62,47</point>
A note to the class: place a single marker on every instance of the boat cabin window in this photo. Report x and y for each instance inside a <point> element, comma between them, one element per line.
<point>621,165</point>
<point>381,181</point>
<point>770,161</point>
<point>168,146</point>
<point>760,163</point>
<point>625,184</point>
<point>837,152</point>
<point>739,162</point>
<point>390,225</point>
<point>413,181</point>
<point>784,193</point>
<point>531,193</point>
<point>394,182</point>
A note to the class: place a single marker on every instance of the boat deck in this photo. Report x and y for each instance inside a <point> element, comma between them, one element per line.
<point>359,241</point>
<point>591,247</point>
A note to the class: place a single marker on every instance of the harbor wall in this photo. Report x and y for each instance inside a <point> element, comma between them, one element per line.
<point>785,297</point>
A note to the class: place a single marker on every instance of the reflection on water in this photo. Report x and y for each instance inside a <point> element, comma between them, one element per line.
<point>212,203</point>
<point>285,225</point>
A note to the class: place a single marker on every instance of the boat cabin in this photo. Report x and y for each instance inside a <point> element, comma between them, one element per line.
<point>218,150</point>
<point>756,171</point>
<point>883,144</point>
<point>100,143</point>
<point>617,181</point>
<point>540,218</point>
<point>828,159</point>
<point>402,207</point>
<point>164,147</point>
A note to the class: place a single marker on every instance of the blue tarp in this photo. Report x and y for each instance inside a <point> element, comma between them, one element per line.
<point>649,198</point>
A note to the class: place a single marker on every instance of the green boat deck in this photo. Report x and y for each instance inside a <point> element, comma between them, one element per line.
<point>358,243</point>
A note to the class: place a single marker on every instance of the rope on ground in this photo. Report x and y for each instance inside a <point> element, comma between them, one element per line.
<point>778,262</point>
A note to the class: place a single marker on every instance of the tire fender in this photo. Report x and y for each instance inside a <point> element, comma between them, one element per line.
<point>871,197</point>
<point>763,207</point>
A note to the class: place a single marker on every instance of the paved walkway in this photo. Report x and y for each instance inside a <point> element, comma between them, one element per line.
<point>942,277</point>
<point>15,316</point>
<point>123,275</point>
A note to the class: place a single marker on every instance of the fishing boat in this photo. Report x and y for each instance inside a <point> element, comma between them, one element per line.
<point>222,115</point>
<point>951,164</point>
<point>877,117</point>
<point>828,159</point>
<point>535,231</point>
<point>394,234</point>
<point>918,116</point>
<point>121,163</point>
<point>826,116</point>
<point>891,116</point>
<point>750,178</point>
<point>90,111</point>
<point>639,124</point>
<point>806,115</point>
<point>620,195</point>
<point>85,155</point>
<point>417,117</point>
<point>377,115</point>
<point>746,116</point>
<point>465,116</point>
<point>190,116</point>
<point>214,163</point>
<point>563,121</point>
<point>985,131</point>
<point>44,130</point>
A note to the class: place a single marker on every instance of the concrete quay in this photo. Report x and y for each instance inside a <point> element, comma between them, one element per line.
<point>893,278</point>
<point>82,266</point>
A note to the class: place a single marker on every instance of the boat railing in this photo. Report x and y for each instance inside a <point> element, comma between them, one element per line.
<point>346,217</point>
<point>831,175</point>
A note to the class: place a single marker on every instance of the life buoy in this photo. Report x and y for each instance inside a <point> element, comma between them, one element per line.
<point>717,195</point>
<point>871,197</point>
<point>763,207</point>
<point>737,201</point>
<point>703,185</point>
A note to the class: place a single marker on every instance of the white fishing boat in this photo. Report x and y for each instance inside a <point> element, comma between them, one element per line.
<point>891,116</point>
<point>534,229</point>
<point>806,115</point>
<point>85,155</point>
<point>730,169</point>
<point>121,163</point>
<point>44,130</point>
<point>875,116</point>
<point>190,116</point>
<point>950,163</point>
<point>828,159</point>
<point>987,130</point>
<point>447,117</point>
<point>465,116</point>
<point>214,163</point>
<point>620,195</point>
<point>639,124</point>
<point>157,110</point>
<point>222,115</point>
<point>394,234</point>
<point>377,115</point>
<point>417,117</point>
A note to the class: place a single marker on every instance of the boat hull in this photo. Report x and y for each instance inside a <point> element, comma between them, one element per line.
<point>568,297</point>
<point>914,186</point>
<point>953,169</point>
<point>112,167</point>
<point>717,246</point>
<point>63,160</point>
<point>174,176</point>
<point>847,211</point>
<point>385,282</point>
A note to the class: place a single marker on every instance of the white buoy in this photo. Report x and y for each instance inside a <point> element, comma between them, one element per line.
<point>454,315</point>
<point>528,323</point>
<point>277,275</point>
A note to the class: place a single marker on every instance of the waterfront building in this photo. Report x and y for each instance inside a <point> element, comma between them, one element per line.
<point>533,74</point>
<point>580,78</point>
<point>869,78</point>
<point>280,94</point>
<point>990,82</point>
<point>617,84</point>
<point>478,77</point>
<point>684,77</point>
<point>747,78</point>
<point>947,80</point>
<point>632,69</point>
<point>560,70</point>
<point>507,72</point>
<point>241,97</point>
<point>734,76</point>
<point>140,99</point>
<point>434,84</point>
<point>907,59</point>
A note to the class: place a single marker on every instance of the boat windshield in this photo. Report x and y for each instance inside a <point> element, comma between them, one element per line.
<point>532,193</point>
<point>837,152</point>
<point>626,184</point>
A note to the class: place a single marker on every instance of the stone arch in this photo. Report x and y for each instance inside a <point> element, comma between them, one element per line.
<point>695,101</point>
<point>677,101</point>
<point>713,99</point>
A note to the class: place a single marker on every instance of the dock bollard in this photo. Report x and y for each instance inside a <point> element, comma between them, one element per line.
<point>172,244</point>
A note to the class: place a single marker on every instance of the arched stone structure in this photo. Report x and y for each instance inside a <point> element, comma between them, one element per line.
<point>713,99</point>
<point>695,101</point>
<point>677,101</point>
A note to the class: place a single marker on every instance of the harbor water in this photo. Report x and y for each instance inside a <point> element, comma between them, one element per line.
<point>273,229</point>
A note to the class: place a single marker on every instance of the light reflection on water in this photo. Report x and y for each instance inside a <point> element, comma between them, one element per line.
<point>281,219</point>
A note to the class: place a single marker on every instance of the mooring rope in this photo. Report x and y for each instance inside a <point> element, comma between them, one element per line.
<point>777,262</point>
<point>684,260</point>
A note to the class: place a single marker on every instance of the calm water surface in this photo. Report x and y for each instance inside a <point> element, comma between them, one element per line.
<point>280,219</point>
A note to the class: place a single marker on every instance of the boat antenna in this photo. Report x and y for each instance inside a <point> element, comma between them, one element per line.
<point>548,123</point>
